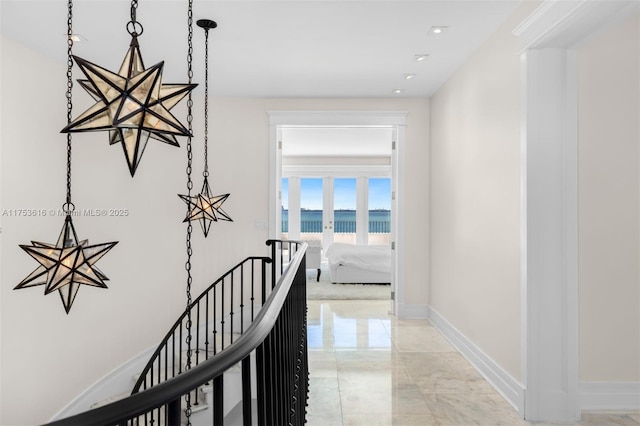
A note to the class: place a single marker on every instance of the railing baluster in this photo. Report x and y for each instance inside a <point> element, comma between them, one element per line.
<point>218,400</point>
<point>246,391</point>
<point>261,384</point>
<point>175,412</point>
<point>231,310</point>
<point>222,314</point>
<point>206,326</point>
<point>242,298</point>
<point>197,333</point>
<point>215,322</point>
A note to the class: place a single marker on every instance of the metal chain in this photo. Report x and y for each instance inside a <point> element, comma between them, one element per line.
<point>134,7</point>
<point>189,187</point>
<point>133,26</point>
<point>67,207</point>
<point>206,103</point>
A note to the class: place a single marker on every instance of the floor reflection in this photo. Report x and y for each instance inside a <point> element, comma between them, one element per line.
<point>368,368</point>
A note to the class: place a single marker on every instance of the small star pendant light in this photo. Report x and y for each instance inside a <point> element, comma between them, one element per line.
<point>133,104</point>
<point>66,265</point>
<point>204,207</point>
<point>69,263</point>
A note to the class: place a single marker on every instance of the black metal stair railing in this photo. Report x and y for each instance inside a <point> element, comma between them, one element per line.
<point>243,319</point>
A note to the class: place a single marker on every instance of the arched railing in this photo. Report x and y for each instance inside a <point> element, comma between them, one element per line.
<point>264,341</point>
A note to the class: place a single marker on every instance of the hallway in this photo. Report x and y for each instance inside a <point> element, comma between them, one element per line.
<point>368,368</point>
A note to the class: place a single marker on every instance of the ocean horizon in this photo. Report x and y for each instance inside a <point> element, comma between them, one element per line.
<point>345,221</point>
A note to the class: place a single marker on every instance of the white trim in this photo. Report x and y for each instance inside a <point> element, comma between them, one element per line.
<point>619,396</point>
<point>565,24</point>
<point>396,120</point>
<point>337,118</point>
<point>406,311</point>
<point>550,355</point>
<point>336,171</point>
<point>500,379</point>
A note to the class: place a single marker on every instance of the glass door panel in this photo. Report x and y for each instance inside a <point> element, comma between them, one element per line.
<point>379,211</point>
<point>311,215</point>
<point>344,210</point>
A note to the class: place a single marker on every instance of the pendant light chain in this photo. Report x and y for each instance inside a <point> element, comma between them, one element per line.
<point>134,8</point>
<point>205,173</point>
<point>68,207</point>
<point>189,187</point>
<point>133,26</point>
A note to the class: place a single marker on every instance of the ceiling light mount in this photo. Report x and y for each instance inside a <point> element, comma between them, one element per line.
<point>207,24</point>
<point>421,57</point>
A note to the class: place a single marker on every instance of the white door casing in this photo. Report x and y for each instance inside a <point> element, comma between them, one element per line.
<point>549,222</point>
<point>393,119</point>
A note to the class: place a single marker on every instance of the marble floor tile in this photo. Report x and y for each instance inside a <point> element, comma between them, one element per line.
<point>445,372</point>
<point>368,368</point>
<point>419,339</point>
<point>472,409</point>
<point>599,419</point>
<point>325,407</point>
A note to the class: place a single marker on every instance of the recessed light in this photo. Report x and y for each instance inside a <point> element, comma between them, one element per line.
<point>398,90</point>
<point>408,76</point>
<point>437,29</point>
<point>421,57</point>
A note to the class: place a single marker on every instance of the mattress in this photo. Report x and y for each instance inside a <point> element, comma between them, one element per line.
<point>350,263</point>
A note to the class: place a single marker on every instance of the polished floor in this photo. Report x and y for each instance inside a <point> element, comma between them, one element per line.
<point>368,368</point>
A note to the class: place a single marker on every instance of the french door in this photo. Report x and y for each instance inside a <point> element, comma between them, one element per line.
<point>352,210</point>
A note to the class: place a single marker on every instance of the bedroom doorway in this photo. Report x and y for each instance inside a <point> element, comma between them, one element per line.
<point>361,164</point>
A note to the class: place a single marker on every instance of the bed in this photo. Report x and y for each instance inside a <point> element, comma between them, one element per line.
<point>349,263</point>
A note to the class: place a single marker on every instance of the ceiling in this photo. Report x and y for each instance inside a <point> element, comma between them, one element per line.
<point>295,48</point>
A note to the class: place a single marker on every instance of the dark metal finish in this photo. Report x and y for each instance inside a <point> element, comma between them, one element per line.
<point>277,336</point>
<point>207,24</point>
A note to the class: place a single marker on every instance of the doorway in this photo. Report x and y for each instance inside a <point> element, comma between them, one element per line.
<point>352,168</point>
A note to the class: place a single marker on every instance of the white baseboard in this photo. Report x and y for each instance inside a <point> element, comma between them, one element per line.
<point>412,311</point>
<point>505,384</point>
<point>620,396</point>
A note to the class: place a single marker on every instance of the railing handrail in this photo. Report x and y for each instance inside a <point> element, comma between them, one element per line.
<point>174,388</point>
<point>177,323</point>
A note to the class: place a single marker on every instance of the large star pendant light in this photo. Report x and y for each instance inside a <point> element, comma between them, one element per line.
<point>132,105</point>
<point>205,208</point>
<point>66,265</point>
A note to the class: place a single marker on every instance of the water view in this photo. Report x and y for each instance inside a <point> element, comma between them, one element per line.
<point>345,221</point>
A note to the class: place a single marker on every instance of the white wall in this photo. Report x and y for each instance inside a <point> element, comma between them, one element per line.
<point>49,357</point>
<point>609,204</point>
<point>475,204</point>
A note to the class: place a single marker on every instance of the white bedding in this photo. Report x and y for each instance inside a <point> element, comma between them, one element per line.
<point>373,258</point>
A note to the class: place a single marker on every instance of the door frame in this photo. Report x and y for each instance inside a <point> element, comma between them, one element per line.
<point>549,39</point>
<point>396,120</point>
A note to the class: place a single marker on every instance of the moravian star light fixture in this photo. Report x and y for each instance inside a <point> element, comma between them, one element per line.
<point>69,263</point>
<point>204,207</point>
<point>133,104</point>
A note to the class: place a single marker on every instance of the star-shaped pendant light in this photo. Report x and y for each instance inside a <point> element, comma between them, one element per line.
<point>69,263</point>
<point>204,207</point>
<point>66,265</point>
<point>133,104</point>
